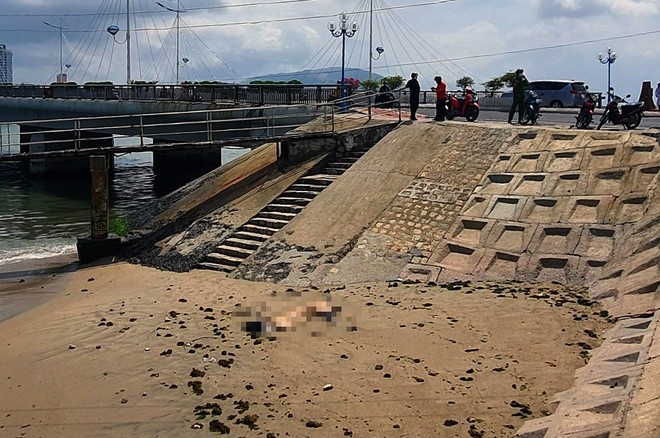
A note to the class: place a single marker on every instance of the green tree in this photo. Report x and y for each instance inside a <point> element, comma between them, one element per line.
<point>393,81</point>
<point>507,78</point>
<point>494,85</point>
<point>370,84</point>
<point>464,82</point>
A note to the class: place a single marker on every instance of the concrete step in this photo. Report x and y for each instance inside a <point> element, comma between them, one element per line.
<point>222,259</point>
<point>258,229</point>
<point>356,154</point>
<point>216,267</point>
<point>277,215</point>
<point>334,170</point>
<point>253,237</point>
<point>318,178</point>
<point>300,202</point>
<point>308,194</point>
<point>233,251</point>
<point>246,244</point>
<point>283,208</point>
<point>340,164</point>
<point>307,187</point>
<point>275,224</point>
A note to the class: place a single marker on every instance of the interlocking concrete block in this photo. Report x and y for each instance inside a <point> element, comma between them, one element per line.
<point>498,184</point>
<point>529,162</point>
<point>564,161</point>
<point>501,265</point>
<point>552,267</point>
<point>643,177</point>
<point>470,231</point>
<point>604,157</point>
<point>587,209</point>
<point>476,206</point>
<point>456,257</point>
<point>545,210</point>
<point>642,152</point>
<point>628,208</point>
<point>555,239</point>
<point>613,181</point>
<point>530,184</point>
<point>506,207</point>
<point>571,183</point>
<point>598,241</point>
<point>510,237</point>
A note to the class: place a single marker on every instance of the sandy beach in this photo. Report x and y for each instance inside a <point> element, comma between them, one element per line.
<point>124,350</point>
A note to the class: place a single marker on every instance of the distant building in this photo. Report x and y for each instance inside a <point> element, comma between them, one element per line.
<point>6,65</point>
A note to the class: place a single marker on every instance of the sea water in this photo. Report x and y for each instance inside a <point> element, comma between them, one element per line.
<point>42,218</point>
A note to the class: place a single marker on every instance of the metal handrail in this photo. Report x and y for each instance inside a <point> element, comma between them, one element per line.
<point>208,123</point>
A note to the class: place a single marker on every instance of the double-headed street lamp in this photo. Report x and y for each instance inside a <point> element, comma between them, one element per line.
<point>114,29</point>
<point>343,31</point>
<point>61,27</point>
<point>611,57</point>
<point>178,18</point>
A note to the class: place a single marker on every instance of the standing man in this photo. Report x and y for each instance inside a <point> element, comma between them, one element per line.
<point>657,96</point>
<point>440,99</point>
<point>518,84</point>
<point>413,86</point>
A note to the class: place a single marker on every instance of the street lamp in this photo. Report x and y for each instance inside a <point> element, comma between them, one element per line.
<point>60,77</point>
<point>178,12</point>
<point>114,29</point>
<point>611,57</point>
<point>343,31</point>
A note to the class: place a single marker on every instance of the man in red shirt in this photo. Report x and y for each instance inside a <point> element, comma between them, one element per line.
<point>440,99</point>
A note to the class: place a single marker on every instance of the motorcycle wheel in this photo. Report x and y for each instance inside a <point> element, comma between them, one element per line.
<point>633,122</point>
<point>603,119</point>
<point>449,115</point>
<point>471,113</point>
<point>527,117</point>
<point>583,121</point>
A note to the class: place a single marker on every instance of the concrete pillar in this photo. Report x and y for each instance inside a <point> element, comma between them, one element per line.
<point>98,166</point>
<point>646,96</point>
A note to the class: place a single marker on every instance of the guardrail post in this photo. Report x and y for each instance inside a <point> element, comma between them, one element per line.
<point>76,135</point>
<point>209,126</point>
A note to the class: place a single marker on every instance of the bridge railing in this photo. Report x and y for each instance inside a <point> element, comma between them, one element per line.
<point>266,94</point>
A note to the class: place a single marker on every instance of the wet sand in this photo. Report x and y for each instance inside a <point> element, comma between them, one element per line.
<point>124,350</point>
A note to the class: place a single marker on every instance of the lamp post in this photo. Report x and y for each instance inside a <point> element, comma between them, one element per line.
<point>114,29</point>
<point>343,31</point>
<point>178,13</point>
<point>611,57</point>
<point>61,27</point>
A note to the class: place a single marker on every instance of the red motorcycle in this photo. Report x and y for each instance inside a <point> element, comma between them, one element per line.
<point>464,106</point>
<point>586,114</point>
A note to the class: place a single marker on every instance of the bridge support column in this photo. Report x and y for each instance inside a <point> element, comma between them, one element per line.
<point>175,168</point>
<point>39,140</point>
<point>99,244</point>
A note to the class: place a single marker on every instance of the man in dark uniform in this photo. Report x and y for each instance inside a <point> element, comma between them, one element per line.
<point>519,83</point>
<point>413,86</point>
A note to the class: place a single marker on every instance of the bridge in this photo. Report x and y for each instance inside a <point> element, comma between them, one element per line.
<point>180,134</point>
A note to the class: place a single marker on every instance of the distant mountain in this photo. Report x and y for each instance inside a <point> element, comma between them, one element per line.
<point>323,76</point>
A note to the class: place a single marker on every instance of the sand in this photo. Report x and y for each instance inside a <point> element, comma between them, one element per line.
<point>124,350</point>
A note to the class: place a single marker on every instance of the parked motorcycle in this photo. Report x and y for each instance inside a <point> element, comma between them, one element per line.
<point>630,115</point>
<point>586,114</point>
<point>463,106</point>
<point>386,98</point>
<point>531,108</point>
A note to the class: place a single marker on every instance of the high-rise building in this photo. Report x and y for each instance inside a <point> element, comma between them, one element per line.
<point>6,65</point>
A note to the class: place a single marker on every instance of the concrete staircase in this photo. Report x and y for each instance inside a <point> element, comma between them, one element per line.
<point>247,239</point>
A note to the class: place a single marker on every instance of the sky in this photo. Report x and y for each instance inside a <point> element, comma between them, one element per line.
<point>231,40</point>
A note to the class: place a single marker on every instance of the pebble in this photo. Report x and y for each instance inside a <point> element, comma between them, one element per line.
<point>328,387</point>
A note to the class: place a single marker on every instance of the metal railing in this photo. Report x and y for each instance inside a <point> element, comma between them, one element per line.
<point>173,130</point>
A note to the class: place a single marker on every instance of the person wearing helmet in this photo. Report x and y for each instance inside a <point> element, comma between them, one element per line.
<point>518,83</point>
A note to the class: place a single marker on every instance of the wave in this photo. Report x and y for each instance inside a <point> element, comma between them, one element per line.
<point>24,250</point>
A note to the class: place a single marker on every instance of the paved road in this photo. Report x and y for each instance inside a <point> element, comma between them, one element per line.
<point>563,117</point>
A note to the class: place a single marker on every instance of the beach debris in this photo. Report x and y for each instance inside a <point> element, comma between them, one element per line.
<point>72,347</point>
<point>328,387</point>
<point>313,424</point>
<point>449,423</point>
<point>196,386</point>
<point>197,426</point>
<point>219,427</point>
<point>249,420</point>
<point>197,373</point>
